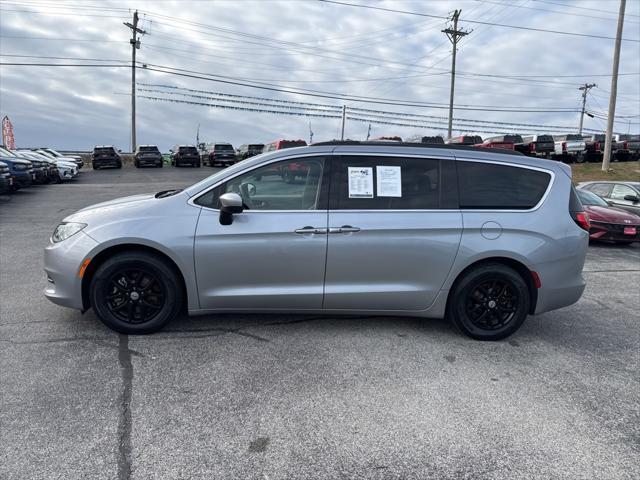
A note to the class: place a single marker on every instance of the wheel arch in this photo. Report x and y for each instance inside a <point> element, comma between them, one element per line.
<point>519,267</point>
<point>106,253</point>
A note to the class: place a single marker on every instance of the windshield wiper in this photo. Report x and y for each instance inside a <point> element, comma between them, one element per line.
<point>167,193</point>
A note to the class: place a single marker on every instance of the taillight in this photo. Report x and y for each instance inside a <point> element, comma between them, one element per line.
<point>625,145</point>
<point>596,146</point>
<point>532,147</point>
<point>582,220</point>
<point>564,147</point>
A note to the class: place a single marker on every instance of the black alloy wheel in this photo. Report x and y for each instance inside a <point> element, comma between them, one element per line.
<point>489,302</point>
<point>136,292</point>
<point>134,295</point>
<point>492,304</point>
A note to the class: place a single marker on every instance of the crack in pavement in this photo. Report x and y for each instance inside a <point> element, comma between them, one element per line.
<point>124,420</point>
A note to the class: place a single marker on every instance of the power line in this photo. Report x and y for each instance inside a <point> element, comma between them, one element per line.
<point>478,22</point>
<point>568,5</point>
<point>599,17</point>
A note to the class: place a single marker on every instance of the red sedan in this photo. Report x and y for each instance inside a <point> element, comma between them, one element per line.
<point>609,223</point>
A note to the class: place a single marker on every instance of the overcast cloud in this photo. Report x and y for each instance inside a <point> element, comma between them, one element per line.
<point>331,48</point>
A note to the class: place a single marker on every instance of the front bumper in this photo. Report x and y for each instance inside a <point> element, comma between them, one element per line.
<point>5,184</point>
<point>62,262</point>
<point>22,179</point>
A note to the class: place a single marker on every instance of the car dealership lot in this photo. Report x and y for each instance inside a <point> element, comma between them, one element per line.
<point>276,396</point>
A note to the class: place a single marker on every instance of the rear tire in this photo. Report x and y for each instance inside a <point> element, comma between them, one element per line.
<point>136,293</point>
<point>490,302</point>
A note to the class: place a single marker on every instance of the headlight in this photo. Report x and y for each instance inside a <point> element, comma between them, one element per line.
<point>66,230</point>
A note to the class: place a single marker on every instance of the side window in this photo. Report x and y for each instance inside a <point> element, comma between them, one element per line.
<point>620,191</point>
<point>601,189</point>
<point>492,186</point>
<point>287,185</point>
<point>385,183</point>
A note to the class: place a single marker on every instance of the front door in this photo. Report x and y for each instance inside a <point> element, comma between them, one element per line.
<point>394,232</point>
<point>273,254</point>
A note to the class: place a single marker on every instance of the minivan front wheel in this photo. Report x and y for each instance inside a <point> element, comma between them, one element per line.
<point>490,302</point>
<point>136,293</point>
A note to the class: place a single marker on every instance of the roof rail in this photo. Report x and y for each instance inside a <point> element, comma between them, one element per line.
<point>446,146</point>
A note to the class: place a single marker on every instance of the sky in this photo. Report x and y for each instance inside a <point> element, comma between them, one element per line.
<point>326,49</point>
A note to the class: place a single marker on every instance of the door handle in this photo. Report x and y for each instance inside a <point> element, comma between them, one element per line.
<point>344,229</point>
<point>304,230</point>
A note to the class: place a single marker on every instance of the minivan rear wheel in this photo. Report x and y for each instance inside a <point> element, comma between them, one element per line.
<point>490,302</point>
<point>136,293</point>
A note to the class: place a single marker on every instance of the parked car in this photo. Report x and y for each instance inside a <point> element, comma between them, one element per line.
<point>21,171</point>
<point>507,142</point>
<point>105,156</point>
<point>39,168</point>
<point>607,222</point>
<point>633,145</point>
<point>6,180</point>
<point>594,148</point>
<point>570,148</point>
<point>182,155</point>
<point>465,140</point>
<point>249,150</point>
<point>147,155</point>
<point>386,138</point>
<point>77,159</point>
<point>222,154</point>
<point>281,144</point>
<point>375,228</point>
<point>538,145</point>
<point>44,167</point>
<point>45,153</point>
<point>65,170</point>
<point>437,140</point>
<point>625,195</point>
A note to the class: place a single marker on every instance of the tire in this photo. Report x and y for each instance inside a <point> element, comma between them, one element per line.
<point>160,165</point>
<point>623,242</point>
<point>501,287</point>
<point>580,159</point>
<point>117,276</point>
<point>95,167</point>
<point>119,165</point>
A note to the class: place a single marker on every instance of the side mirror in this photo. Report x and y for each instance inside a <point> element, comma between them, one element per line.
<point>119,150</point>
<point>230,203</point>
<point>631,198</point>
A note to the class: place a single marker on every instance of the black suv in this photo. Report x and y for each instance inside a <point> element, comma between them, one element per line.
<point>105,156</point>
<point>147,155</point>
<point>249,150</point>
<point>222,154</point>
<point>185,155</point>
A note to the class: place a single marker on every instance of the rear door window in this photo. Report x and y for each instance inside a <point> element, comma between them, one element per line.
<point>500,187</point>
<point>620,191</point>
<point>386,183</point>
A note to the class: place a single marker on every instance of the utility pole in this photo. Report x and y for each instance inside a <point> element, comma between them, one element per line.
<point>606,159</point>
<point>344,116</point>
<point>585,89</point>
<point>453,34</point>
<point>135,45</point>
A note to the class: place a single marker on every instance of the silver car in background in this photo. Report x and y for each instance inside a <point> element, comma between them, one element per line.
<point>481,236</point>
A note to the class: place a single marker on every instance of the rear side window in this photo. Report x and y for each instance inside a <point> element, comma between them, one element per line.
<point>385,183</point>
<point>601,189</point>
<point>499,187</point>
<point>150,149</point>
<point>104,150</point>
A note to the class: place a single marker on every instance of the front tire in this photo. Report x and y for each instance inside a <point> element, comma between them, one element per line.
<point>490,302</point>
<point>136,293</point>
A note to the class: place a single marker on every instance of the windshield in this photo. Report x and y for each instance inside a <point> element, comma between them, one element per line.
<point>54,153</point>
<point>45,153</point>
<point>588,198</point>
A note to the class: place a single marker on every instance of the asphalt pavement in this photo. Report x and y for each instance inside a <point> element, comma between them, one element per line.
<point>296,397</point>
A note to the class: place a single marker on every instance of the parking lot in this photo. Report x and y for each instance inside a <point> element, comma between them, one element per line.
<point>273,396</point>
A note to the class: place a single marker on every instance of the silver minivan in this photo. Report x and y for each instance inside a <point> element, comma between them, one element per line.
<point>483,237</point>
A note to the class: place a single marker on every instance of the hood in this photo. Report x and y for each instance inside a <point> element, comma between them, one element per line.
<point>611,215</point>
<point>65,163</point>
